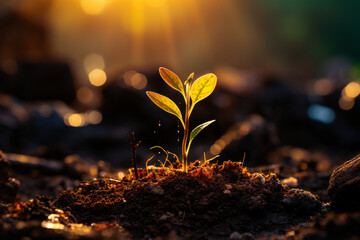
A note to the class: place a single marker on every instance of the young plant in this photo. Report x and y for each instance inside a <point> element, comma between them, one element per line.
<point>193,92</point>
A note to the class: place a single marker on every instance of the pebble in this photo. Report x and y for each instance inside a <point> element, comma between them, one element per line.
<point>157,189</point>
<point>238,236</point>
<point>259,177</point>
<point>291,182</point>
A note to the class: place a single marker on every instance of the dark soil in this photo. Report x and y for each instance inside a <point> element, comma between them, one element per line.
<point>208,202</point>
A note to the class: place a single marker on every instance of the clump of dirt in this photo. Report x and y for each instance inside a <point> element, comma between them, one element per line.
<point>344,186</point>
<point>9,187</point>
<point>207,202</point>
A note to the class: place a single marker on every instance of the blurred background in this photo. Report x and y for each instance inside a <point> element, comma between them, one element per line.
<point>73,76</point>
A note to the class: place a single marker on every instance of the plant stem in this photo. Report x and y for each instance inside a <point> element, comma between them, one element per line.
<point>134,146</point>
<point>186,128</point>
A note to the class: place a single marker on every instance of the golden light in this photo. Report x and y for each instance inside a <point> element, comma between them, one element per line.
<point>127,77</point>
<point>138,81</point>
<point>50,225</point>
<point>94,61</point>
<point>323,86</point>
<point>94,117</point>
<point>221,143</point>
<point>352,90</point>
<point>84,95</point>
<point>215,149</point>
<point>138,16</point>
<point>155,3</point>
<point>346,103</point>
<point>297,154</point>
<point>244,129</point>
<point>148,33</point>
<point>74,120</point>
<point>97,77</point>
<point>121,175</point>
<point>93,7</point>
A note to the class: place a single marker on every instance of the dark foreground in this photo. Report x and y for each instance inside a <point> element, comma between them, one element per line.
<point>209,202</point>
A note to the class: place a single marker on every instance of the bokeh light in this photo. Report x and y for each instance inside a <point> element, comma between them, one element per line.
<point>94,61</point>
<point>93,7</point>
<point>346,103</point>
<point>323,86</point>
<point>135,80</point>
<point>84,95</point>
<point>215,149</point>
<point>352,90</point>
<point>321,113</point>
<point>74,120</point>
<point>138,81</point>
<point>244,129</point>
<point>97,77</point>
<point>94,117</point>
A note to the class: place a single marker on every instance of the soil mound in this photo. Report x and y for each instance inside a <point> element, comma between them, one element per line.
<point>208,202</point>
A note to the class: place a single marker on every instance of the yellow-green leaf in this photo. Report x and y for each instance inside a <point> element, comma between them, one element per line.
<point>196,131</point>
<point>202,87</point>
<point>165,104</point>
<point>172,79</point>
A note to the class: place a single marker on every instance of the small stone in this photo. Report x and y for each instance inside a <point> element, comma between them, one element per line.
<point>344,186</point>
<point>291,182</point>
<point>227,191</point>
<point>259,177</point>
<point>238,236</point>
<point>157,189</point>
<point>235,236</point>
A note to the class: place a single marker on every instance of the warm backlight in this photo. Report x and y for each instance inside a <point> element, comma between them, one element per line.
<point>352,90</point>
<point>97,77</point>
<point>93,7</point>
<point>76,120</point>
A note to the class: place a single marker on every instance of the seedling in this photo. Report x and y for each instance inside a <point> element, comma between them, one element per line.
<point>193,92</point>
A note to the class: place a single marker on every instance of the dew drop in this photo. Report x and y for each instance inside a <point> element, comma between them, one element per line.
<point>154,131</point>
<point>159,124</point>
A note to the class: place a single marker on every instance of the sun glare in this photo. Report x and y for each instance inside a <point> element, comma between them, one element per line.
<point>93,7</point>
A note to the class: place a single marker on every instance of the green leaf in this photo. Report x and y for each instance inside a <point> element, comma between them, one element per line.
<point>196,131</point>
<point>165,104</point>
<point>172,80</point>
<point>202,87</point>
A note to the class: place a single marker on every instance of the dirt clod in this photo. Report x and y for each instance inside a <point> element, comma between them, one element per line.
<point>9,187</point>
<point>344,186</point>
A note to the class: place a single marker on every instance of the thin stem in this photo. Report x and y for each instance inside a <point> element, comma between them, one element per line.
<point>134,146</point>
<point>191,109</point>
<point>186,128</point>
